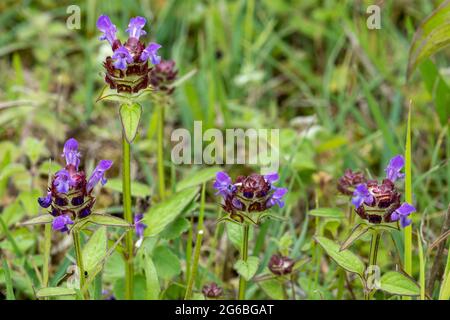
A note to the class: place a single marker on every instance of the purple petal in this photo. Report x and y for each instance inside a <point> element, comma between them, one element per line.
<point>63,181</point>
<point>122,57</point>
<point>394,167</point>
<point>361,195</point>
<point>402,214</point>
<point>46,201</point>
<point>223,184</point>
<point>405,209</point>
<point>109,30</point>
<point>276,198</point>
<point>138,225</point>
<point>60,223</point>
<point>135,27</point>
<point>271,177</point>
<point>151,52</point>
<point>70,152</point>
<point>99,174</point>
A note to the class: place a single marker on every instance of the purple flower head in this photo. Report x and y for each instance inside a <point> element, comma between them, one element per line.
<point>402,214</point>
<point>46,201</point>
<point>393,169</point>
<point>151,52</point>
<point>361,195</point>
<point>122,57</point>
<point>138,225</point>
<point>135,27</point>
<point>63,181</point>
<point>277,197</point>
<point>223,184</point>
<point>109,30</point>
<point>71,153</point>
<point>98,174</point>
<point>60,223</point>
<point>212,290</point>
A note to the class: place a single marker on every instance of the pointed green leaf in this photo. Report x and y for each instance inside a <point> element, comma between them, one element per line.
<point>344,258</point>
<point>355,234</point>
<point>95,250</point>
<point>166,262</point>
<point>431,36</point>
<point>130,114</point>
<point>334,213</point>
<point>55,292</point>
<point>273,288</point>
<point>42,219</point>
<point>162,214</point>
<point>248,268</point>
<point>153,288</point>
<point>397,283</point>
<point>107,220</point>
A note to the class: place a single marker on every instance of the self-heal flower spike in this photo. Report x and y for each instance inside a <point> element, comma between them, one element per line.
<point>99,174</point>
<point>69,195</point>
<point>135,27</point>
<point>393,169</point>
<point>122,57</point>
<point>361,195</point>
<point>109,30</point>
<point>402,214</point>
<point>151,51</point>
<point>71,153</point>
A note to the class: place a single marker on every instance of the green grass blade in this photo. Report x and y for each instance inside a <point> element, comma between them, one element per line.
<point>8,281</point>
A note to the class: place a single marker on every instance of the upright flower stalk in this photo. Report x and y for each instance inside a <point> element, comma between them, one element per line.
<point>127,72</point>
<point>247,202</point>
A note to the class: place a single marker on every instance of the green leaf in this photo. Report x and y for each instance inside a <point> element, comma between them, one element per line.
<point>8,280</point>
<point>41,219</point>
<point>55,292</point>
<point>107,220</point>
<point>139,288</point>
<point>28,200</point>
<point>130,114</point>
<point>248,268</point>
<point>95,250</point>
<point>431,36</point>
<point>33,148</point>
<point>151,276</point>
<point>175,229</point>
<point>162,214</point>
<point>355,234</point>
<point>344,258</point>
<point>235,234</point>
<point>397,283</point>
<point>273,288</point>
<point>166,263</point>
<point>334,213</point>
<point>137,189</point>
<point>197,178</point>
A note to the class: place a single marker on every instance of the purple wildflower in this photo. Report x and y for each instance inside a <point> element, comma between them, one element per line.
<point>393,169</point>
<point>46,201</point>
<point>122,57</point>
<point>109,30</point>
<point>271,177</point>
<point>212,290</point>
<point>60,223</point>
<point>63,181</point>
<point>138,225</point>
<point>99,174</point>
<point>71,153</point>
<point>151,51</point>
<point>361,195</point>
<point>276,197</point>
<point>402,214</point>
<point>223,184</point>
<point>135,27</point>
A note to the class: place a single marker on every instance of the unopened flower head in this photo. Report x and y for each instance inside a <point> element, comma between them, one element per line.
<point>212,290</point>
<point>380,202</point>
<point>127,70</point>
<point>163,75</point>
<point>248,194</point>
<point>280,265</point>
<point>348,182</point>
<point>69,195</point>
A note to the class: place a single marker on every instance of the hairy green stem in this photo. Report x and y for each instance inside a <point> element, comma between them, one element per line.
<point>160,135</point>
<point>244,254</point>
<point>198,246</point>
<point>79,259</point>
<point>128,215</point>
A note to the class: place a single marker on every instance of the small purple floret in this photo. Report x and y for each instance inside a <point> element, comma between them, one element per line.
<point>402,214</point>
<point>223,184</point>
<point>61,223</point>
<point>135,27</point>
<point>151,52</point>
<point>393,169</point>
<point>138,225</point>
<point>63,181</point>
<point>99,174</point>
<point>277,197</point>
<point>109,30</point>
<point>46,201</point>
<point>122,57</point>
<point>361,195</point>
<point>70,152</point>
